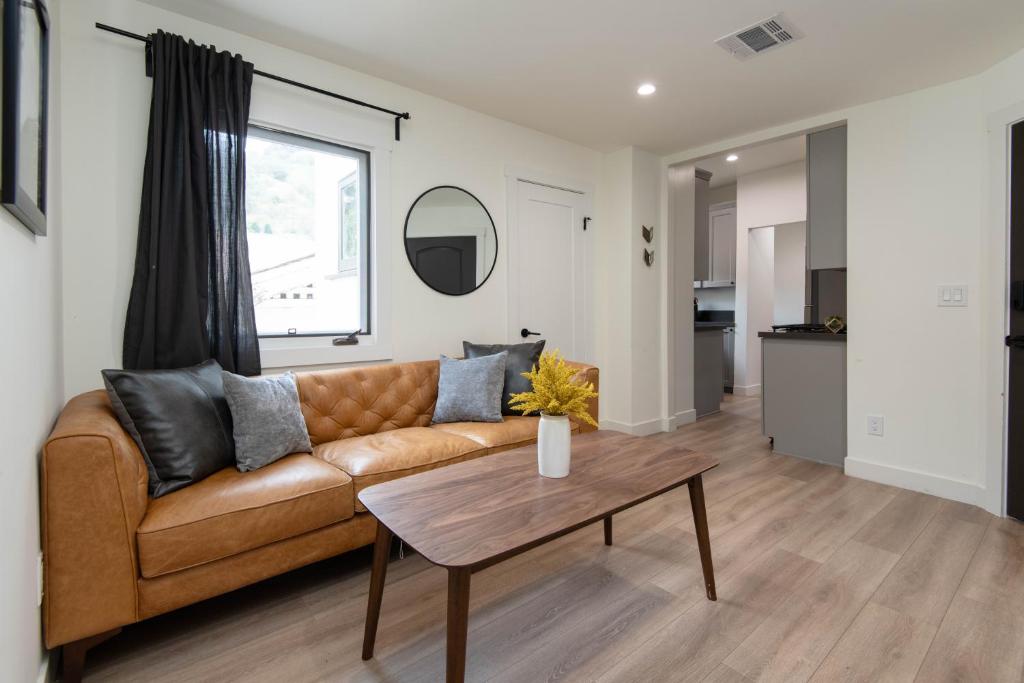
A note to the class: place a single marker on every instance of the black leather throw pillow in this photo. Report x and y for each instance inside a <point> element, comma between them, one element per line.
<point>521,358</point>
<point>179,419</point>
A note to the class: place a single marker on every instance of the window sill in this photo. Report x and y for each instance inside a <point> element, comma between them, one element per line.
<point>282,352</point>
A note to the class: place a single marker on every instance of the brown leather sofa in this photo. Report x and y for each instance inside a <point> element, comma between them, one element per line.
<point>113,556</point>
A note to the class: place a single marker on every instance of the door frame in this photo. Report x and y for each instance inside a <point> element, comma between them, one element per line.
<point>996,262</point>
<point>513,176</point>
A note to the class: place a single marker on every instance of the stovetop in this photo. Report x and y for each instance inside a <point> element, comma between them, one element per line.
<point>804,327</point>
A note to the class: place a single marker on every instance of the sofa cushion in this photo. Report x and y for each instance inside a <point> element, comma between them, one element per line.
<point>230,512</point>
<point>338,404</point>
<point>376,458</point>
<point>514,431</point>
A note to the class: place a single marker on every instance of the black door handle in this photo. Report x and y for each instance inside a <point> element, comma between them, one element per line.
<point>1015,341</point>
<point>524,333</point>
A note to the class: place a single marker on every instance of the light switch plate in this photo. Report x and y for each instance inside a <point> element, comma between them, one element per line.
<point>876,425</point>
<point>953,295</point>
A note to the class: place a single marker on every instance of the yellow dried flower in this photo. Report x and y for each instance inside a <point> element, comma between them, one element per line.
<point>555,390</point>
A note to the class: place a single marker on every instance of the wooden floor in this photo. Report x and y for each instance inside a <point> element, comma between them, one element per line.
<point>820,577</point>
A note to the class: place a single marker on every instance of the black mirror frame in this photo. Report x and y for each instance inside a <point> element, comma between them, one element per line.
<point>405,237</point>
<point>12,195</point>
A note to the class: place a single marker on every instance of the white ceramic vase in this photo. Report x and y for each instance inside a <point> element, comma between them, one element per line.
<point>553,447</point>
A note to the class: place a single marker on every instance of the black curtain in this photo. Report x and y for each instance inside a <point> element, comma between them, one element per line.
<point>191,296</point>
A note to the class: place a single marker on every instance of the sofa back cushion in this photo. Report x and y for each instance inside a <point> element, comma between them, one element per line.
<point>338,404</point>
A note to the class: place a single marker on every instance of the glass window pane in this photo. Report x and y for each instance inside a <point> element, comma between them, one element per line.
<point>307,214</point>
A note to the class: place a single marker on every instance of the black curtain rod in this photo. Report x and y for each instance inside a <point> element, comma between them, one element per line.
<point>397,114</point>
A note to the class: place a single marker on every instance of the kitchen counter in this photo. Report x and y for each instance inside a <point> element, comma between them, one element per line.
<point>813,336</point>
<point>708,325</point>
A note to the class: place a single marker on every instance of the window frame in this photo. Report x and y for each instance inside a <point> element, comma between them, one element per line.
<point>366,231</point>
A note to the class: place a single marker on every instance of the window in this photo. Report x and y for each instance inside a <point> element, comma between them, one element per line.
<point>308,217</point>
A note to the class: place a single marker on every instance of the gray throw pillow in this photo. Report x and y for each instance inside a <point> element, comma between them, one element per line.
<point>267,419</point>
<point>521,358</point>
<point>470,390</point>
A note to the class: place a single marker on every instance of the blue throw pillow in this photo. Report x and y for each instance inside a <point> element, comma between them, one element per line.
<point>470,390</point>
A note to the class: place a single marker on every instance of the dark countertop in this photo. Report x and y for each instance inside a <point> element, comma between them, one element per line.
<point>706,325</point>
<point>815,336</point>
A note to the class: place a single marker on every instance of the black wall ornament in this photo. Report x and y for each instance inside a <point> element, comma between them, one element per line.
<point>648,257</point>
<point>648,233</point>
<point>26,48</point>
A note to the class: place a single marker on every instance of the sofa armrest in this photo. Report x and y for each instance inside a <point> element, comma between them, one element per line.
<point>587,373</point>
<point>94,495</point>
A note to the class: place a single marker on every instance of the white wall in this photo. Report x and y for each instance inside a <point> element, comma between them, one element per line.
<point>645,291</point>
<point>764,198</point>
<point>923,209</point>
<point>30,365</point>
<point>678,206</point>
<point>107,99</point>
<point>760,302</point>
<point>789,289</point>
<point>722,193</point>
<point>628,293</point>
<point>612,300</point>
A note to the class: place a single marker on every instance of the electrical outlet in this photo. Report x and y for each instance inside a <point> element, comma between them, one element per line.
<point>876,425</point>
<point>39,580</point>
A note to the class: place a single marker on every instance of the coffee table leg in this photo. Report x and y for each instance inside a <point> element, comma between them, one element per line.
<point>381,551</point>
<point>458,623</point>
<point>700,523</point>
<point>608,530</point>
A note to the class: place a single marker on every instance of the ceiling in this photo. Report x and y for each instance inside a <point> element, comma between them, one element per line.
<point>570,68</point>
<point>753,158</point>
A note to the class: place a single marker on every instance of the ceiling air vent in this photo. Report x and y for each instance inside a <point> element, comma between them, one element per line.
<point>760,37</point>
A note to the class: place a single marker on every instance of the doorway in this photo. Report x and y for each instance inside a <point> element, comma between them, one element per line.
<point>549,268</point>
<point>1015,336</point>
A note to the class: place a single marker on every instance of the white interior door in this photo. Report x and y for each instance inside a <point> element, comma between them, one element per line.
<point>549,269</point>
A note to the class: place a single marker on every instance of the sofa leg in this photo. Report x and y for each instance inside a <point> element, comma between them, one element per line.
<point>73,655</point>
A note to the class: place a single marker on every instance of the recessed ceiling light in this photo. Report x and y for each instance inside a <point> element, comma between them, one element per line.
<point>646,89</point>
<point>732,157</point>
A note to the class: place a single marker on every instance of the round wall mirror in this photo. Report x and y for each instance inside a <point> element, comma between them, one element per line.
<point>450,240</point>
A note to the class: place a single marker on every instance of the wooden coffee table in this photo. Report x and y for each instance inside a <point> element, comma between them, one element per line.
<point>468,516</point>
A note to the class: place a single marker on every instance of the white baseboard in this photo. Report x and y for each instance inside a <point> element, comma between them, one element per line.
<point>645,428</point>
<point>749,390</point>
<point>670,424</point>
<point>915,480</point>
<point>46,674</point>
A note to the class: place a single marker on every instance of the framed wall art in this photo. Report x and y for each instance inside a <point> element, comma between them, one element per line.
<point>26,42</point>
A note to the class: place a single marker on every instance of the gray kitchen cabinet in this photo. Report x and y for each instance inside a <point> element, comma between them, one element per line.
<point>826,199</point>
<point>722,249</point>
<point>708,368</point>
<point>701,236</point>
<point>728,356</point>
<point>803,401</point>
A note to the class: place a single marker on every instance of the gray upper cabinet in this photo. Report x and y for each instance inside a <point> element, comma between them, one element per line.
<point>826,199</point>
<point>722,232</point>
<point>701,237</point>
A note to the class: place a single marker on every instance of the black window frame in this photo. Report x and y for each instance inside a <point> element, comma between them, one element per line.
<point>264,132</point>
